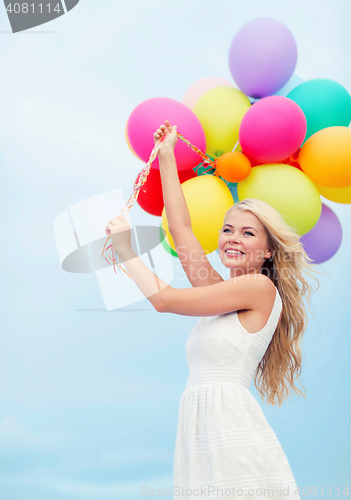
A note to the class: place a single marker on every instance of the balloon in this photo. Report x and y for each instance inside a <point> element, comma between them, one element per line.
<point>325,103</point>
<point>326,157</point>
<point>150,196</point>
<point>324,240</point>
<point>233,167</point>
<point>150,114</point>
<point>130,147</point>
<point>234,190</point>
<point>262,57</point>
<point>293,160</point>
<point>165,244</point>
<point>340,195</point>
<point>288,190</point>
<point>208,199</point>
<point>200,87</point>
<point>272,129</point>
<point>288,161</point>
<point>288,87</point>
<point>220,111</point>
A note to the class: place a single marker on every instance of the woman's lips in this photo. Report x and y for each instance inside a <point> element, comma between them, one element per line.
<point>234,254</point>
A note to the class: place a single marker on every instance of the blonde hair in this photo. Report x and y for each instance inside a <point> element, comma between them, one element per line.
<point>281,363</point>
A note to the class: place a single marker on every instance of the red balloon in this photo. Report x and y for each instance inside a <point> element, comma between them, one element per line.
<point>150,196</point>
<point>254,163</point>
<point>292,160</point>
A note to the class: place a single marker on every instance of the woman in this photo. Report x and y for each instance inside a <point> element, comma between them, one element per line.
<point>251,325</point>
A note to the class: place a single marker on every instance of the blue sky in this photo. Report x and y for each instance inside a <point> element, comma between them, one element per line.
<point>89,398</point>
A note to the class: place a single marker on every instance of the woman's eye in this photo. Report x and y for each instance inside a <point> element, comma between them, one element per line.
<point>226,229</point>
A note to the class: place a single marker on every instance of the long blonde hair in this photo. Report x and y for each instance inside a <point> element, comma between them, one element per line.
<point>281,363</point>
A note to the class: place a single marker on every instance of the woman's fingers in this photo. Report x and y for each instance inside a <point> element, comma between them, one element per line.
<point>163,129</point>
<point>168,125</point>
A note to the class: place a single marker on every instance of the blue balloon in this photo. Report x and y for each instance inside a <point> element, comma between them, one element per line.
<point>325,103</point>
<point>234,191</point>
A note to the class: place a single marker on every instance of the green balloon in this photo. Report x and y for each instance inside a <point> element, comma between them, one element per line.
<point>165,244</point>
<point>325,103</point>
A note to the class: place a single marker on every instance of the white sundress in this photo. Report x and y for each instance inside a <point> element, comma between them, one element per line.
<point>224,442</point>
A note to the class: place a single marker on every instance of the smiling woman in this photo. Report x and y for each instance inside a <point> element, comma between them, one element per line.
<point>223,436</point>
<point>247,245</point>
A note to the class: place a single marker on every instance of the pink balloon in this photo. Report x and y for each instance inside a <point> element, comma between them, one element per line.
<point>147,118</point>
<point>272,129</point>
<point>200,87</point>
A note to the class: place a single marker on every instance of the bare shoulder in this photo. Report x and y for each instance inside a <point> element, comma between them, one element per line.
<point>256,317</point>
<point>263,290</point>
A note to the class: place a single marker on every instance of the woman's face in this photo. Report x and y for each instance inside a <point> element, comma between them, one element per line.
<point>243,231</point>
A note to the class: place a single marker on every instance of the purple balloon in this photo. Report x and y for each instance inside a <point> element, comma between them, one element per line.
<point>262,57</point>
<point>324,239</point>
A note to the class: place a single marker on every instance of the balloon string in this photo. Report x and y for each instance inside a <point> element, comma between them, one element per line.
<point>236,145</point>
<point>140,181</point>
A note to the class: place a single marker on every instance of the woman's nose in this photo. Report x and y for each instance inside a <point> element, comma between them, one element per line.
<point>234,237</point>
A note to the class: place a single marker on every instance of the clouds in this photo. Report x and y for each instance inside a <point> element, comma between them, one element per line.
<point>89,390</point>
<point>14,434</point>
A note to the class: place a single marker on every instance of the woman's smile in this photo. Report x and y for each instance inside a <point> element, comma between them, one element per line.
<point>233,254</point>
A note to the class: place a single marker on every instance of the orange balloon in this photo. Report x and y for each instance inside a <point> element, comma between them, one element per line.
<point>130,147</point>
<point>233,167</point>
<point>326,157</point>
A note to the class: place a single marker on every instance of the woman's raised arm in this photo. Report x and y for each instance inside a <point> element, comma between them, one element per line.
<point>190,253</point>
<point>173,198</point>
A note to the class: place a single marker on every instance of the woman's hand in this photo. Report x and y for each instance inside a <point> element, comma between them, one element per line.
<point>120,230</point>
<point>171,139</point>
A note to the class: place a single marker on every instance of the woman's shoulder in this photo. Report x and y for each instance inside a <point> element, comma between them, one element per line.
<point>256,318</point>
<point>262,296</point>
<point>265,283</point>
<point>268,293</point>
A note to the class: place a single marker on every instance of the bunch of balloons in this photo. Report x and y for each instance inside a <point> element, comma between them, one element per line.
<point>270,136</point>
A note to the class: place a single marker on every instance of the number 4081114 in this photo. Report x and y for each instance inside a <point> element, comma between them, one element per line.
<point>25,8</point>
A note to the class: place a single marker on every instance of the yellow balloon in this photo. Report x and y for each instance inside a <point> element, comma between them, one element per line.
<point>288,190</point>
<point>326,157</point>
<point>208,198</point>
<point>340,195</point>
<point>220,111</point>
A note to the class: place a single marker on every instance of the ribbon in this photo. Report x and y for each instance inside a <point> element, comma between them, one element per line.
<point>208,166</point>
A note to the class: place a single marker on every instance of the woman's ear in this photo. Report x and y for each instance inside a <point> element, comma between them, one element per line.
<point>269,254</point>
